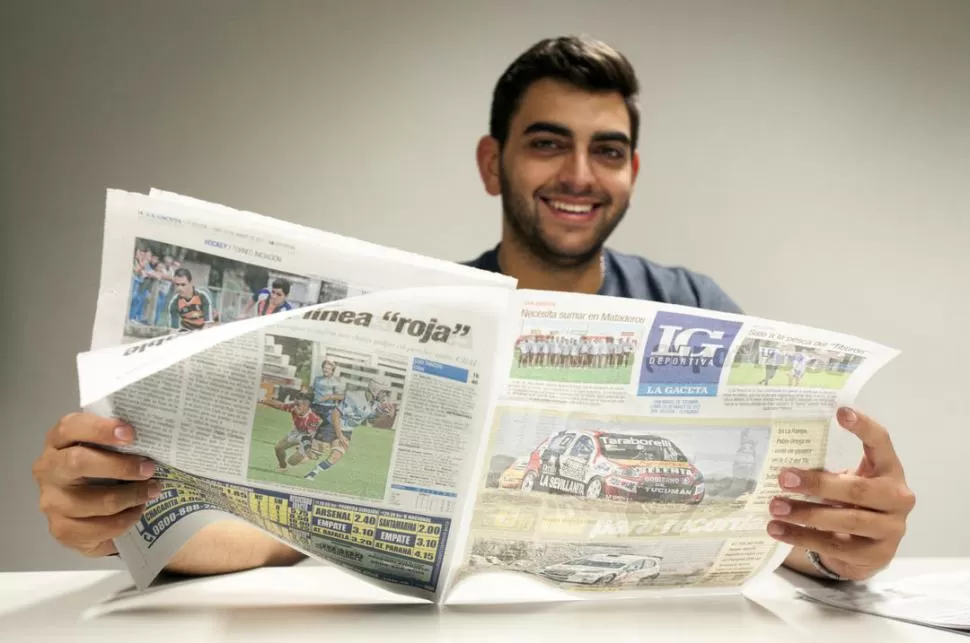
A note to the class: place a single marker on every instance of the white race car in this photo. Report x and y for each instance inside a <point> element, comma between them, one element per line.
<point>606,569</point>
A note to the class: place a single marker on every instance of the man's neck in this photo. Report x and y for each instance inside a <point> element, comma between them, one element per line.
<point>534,274</point>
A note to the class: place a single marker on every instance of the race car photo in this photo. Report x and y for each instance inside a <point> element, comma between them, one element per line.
<point>614,466</point>
<point>605,569</point>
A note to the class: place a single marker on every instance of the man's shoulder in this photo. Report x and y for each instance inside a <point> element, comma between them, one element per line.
<point>634,277</point>
<point>637,277</point>
<point>488,260</point>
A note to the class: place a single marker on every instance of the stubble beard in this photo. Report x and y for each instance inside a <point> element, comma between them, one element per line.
<point>522,217</point>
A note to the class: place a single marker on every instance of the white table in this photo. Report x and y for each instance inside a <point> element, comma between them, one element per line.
<point>300,604</point>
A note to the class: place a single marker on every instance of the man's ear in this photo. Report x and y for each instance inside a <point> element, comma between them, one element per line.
<point>487,154</point>
<point>635,166</point>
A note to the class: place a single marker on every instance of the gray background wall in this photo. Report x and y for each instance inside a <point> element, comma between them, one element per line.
<point>812,156</point>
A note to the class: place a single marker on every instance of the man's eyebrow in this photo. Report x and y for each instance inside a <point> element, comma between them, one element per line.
<point>549,128</point>
<point>612,136</point>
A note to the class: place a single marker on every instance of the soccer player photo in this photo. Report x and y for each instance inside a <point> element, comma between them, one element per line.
<point>765,363</point>
<point>326,417</point>
<point>176,289</point>
<point>580,352</point>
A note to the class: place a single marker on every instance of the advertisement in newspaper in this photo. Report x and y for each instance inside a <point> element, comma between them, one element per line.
<point>637,447</point>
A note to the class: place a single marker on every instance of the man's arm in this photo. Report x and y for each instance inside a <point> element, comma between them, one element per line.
<point>173,313</point>
<point>230,546</point>
<point>206,307</point>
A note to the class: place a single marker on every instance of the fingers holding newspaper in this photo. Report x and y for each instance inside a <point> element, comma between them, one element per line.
<point>861,518</point>
<point>83,512</point>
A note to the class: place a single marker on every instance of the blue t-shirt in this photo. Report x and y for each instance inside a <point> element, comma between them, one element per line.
<point>634,277</point>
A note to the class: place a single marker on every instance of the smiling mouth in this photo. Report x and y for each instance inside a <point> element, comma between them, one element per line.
<point>572,211</point>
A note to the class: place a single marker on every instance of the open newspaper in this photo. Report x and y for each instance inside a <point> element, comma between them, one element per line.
<point>416,422</point>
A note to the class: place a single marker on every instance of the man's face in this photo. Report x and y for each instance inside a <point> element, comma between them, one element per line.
<point>327,369</point>
<point>183,285</point>
<point>567,171</point>
<point>277,297</point>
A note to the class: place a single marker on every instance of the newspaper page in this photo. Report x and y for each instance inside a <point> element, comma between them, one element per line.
<point>935,600</point>
<point>218,410</point>
<point>636,445</point>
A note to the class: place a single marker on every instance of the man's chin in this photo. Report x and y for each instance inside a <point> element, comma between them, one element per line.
<point>571,256</point>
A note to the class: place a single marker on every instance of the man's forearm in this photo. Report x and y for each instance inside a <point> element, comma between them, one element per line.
<point>230,546</point>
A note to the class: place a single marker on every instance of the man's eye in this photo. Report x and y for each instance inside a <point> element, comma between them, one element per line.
<point>613,153</point>
<point>545,144</point>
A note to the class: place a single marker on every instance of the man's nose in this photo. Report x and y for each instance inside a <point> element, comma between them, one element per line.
<point>576,174</point>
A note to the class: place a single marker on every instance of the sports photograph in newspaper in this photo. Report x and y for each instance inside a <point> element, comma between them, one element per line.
<point>577,565</point>
<point>762,362</point>
<point>175,288</point>
<point>696,462</point>
<point>555,350</point>
<point>325,417</point>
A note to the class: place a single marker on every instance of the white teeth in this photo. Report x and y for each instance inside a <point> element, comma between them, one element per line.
<point>571,207</point>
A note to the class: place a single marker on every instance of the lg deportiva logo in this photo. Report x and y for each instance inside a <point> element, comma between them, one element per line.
<point>684,355</point>
<point>675,348</point>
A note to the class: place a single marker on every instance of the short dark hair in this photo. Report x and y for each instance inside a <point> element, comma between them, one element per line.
<point>183,272</point>
<point>578,60</point>
<point>282,284</point>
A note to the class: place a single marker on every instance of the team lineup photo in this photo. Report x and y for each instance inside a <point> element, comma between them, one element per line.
<point>760,362</point>
<point>325,417</point>
<point>556,351</point>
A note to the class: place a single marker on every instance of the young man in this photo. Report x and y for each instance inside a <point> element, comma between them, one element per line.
<point>305,425</point>
<point>191,309</point>
<point>270,300</point>
<point>328,389</point>
<point>357,407</point>
<point>561,153</point>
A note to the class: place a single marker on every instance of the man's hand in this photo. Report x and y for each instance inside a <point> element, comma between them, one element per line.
<point>862,519</point>
<point>85,516</point>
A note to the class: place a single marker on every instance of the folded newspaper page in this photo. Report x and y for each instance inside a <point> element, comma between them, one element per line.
<point>939,601</point>
<point>635,447</point>
<point>416,422</point>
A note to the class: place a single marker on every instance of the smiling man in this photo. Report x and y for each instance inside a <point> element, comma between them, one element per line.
<point>562,155</point>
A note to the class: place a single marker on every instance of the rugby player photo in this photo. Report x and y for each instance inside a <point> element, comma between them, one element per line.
<point>353,409</point>
<point>760,362</point>
<point>343,440</point>
<point>176,289</point>
<point>305,425</point>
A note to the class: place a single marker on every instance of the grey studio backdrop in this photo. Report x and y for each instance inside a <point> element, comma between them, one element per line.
<point>811,156</point>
